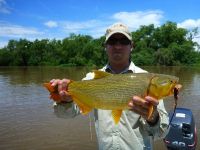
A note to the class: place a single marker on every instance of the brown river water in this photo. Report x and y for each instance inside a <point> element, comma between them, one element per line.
<point>28,120</point>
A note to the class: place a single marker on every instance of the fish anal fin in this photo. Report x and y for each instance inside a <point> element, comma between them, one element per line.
<point>116,114</point>
<point>84,109</point>
<point>100,74</point>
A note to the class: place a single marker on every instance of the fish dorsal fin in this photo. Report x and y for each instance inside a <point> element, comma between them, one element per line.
<point>100,74</point>
<point>116,114</point>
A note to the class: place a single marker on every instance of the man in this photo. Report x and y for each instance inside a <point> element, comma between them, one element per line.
<point>135,130</point>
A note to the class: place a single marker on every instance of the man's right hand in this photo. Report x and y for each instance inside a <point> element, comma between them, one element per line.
<point>62,88</point>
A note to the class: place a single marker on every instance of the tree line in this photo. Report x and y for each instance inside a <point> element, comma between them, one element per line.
<point>165,45</point>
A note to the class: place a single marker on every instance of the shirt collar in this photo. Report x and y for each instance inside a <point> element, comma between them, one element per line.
<point>126,70</point>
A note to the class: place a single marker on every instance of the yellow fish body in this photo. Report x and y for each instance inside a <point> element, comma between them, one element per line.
<point>114,91</point>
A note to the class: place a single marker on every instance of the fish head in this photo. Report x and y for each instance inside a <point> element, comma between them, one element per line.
<point>162,86</point>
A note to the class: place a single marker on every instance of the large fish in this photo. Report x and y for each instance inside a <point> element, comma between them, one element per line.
<point>114,91</point>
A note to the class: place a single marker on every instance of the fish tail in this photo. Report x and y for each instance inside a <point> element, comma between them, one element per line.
<point>55,97</point>
<point>49,87</point>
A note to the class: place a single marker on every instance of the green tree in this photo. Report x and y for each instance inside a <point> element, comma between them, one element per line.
<point>20,51</point>
<point>5,57</point>
<point>164,45</point>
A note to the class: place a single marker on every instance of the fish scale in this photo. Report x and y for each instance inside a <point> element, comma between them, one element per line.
<point>111,92</point>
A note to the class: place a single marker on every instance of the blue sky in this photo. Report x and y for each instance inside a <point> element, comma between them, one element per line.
<point>50,19</point>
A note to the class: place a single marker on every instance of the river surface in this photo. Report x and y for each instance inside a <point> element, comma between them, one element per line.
<point>28,120</point>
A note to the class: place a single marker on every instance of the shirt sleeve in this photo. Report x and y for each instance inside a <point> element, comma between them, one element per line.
<point>160,129</point>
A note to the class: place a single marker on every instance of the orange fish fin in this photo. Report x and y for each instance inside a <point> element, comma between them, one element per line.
<point>56,97</point>
<point>53,93</point>
<point>100,74</point>
<point>84,109</point>
<point>49,87</point>
<point>116,114</point>
<point>150,111</point>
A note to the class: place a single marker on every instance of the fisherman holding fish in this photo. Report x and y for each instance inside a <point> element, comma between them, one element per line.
<point>132,128</point>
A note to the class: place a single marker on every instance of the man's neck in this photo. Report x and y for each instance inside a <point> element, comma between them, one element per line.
<point>118,68</point>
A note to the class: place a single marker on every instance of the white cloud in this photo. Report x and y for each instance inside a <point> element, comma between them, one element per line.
<point>94,28</point>
<point>76,27</point>
<point>51,24</point>
<point>10,31</point>
<point>189,24</point>
<point>135,19</point>
<point>16,31</point>
<point>3,43</point>
<point>3,7</point>
<point>97,28</point>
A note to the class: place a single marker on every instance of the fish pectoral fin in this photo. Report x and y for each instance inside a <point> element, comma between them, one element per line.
<point>150,111</point>
<point>100,74</point>
<point>84,109</point>
<point>116,114</point>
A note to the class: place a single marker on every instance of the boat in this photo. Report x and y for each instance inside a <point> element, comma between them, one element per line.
<point>182,133</point>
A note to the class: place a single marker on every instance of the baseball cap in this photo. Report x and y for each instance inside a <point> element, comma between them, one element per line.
<point>118,28</point>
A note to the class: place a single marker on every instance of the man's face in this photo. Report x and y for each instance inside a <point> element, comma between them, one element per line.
<point>118,48</point>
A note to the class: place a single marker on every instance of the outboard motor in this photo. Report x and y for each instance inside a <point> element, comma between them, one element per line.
<point>182,133</point>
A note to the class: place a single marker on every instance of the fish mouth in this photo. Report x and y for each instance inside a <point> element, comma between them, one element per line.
<point>178,86</point>
<point>176,90</point>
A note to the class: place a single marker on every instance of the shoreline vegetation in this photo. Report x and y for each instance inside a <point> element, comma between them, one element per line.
<point>166,45</point>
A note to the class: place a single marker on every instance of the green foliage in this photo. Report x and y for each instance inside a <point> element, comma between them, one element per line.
<point>5,57</point>
<point>164,45</point>
<point>144,57</point>
<point>163,56</point>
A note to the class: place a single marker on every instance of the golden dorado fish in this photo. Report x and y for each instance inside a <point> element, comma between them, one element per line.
<point>114,91</point>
